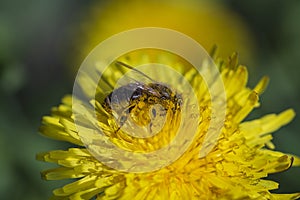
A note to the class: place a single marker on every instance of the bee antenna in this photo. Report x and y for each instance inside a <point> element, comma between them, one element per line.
<point>132,68</point>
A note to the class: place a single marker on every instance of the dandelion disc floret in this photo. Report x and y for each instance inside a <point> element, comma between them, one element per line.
<point>235,167</point>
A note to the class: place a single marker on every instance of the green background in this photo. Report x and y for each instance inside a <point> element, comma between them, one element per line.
<point>36,38</point>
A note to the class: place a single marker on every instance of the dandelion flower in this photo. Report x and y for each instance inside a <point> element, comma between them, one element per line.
<point>235,168</point>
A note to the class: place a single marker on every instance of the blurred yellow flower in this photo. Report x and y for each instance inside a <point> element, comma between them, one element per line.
<point>207,22</point>
<point>235,168</point>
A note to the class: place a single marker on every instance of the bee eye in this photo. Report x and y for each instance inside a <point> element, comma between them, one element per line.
<point>153,112</point>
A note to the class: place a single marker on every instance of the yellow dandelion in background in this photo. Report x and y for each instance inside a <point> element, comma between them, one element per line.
<point>207,22</point>
<point>235,168</point>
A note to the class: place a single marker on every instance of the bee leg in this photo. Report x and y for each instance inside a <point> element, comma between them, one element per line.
<point>123,119</point>
<point>151,125</point>
<point>153,112</point>
<point>118,129</point>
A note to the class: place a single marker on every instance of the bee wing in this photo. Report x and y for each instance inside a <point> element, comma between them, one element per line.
<point>135,75</point>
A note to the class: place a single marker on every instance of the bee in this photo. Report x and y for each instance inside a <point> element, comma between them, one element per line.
<point>137,98</point>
